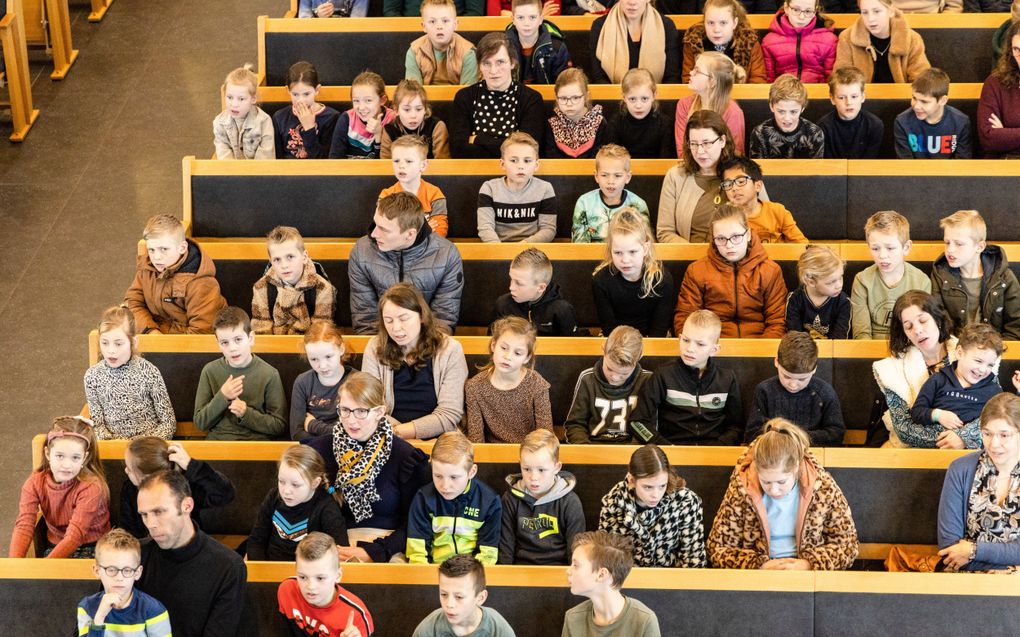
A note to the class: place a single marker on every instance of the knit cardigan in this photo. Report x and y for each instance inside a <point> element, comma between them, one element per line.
<point>906,58</point>
<point>1005,103</point>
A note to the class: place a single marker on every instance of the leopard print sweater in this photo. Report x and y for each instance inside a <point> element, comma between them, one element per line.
<point>129,401</point>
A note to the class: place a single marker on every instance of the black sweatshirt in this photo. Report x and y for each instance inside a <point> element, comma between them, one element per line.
<point>209,489</point>
<point>815,409</point>
<point>540,531</point>
<point>619,302</point>
<point>858,138</point>
<point>599,411</point>
<point>648,138</point>
<point>831,320</point>
<point>551,315</point>
<point>278,527</point>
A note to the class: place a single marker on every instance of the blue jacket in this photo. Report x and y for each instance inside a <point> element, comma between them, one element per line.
<point>438,528</point>
<point>549,57</point>
<point>943,391</point>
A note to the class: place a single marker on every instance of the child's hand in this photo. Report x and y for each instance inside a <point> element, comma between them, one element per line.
<point>1016,380</point>
<point>179,456</point>
<point>238,407</point>
<point>324,10</point>
<point>949,440</point>
<point>374,125</point>
<point>304,114</point>
<point>994,121</point>
<point>353,554</point>
<point>308,418</point>
<point>550,8</point>
<point>232,387</point>
<point>350,630</point>
<point>106,604</point>
<point>949,420</point>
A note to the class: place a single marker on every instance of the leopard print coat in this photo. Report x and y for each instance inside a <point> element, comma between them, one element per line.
<point>747,51</point>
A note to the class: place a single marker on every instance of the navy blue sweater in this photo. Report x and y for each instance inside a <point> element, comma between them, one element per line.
<point>815,409</point>
<point>943,391</point>
<point>950,138</point>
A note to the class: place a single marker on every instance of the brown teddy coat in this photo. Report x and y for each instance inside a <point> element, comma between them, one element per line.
<point>907,59</point>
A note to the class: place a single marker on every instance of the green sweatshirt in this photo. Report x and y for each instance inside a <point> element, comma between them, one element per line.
<point>266,416</point>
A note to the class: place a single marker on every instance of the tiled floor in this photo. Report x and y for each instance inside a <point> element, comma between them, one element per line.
<point>104,155</point>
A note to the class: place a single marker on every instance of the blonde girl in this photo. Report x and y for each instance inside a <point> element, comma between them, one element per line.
<point>630,285</point>
<point>819,306</point>
<point>242,130</point>
<point>125,393</point>
<point>654,507</point>
<point>725,27</point>
<point>70,491</point>
<point>711,80</point>
<point>576,128</point>
<point>299,504</point>
<point>359,130</point>
<point>414,117</point>
<point>640,126</point>
<point>782,510</point>
<point>304,129</point>
<point>882,46</point>
<point>508,399</point>
<point>313,401</point>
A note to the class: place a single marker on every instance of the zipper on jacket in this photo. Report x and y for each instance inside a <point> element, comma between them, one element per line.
<point>800,62</point>
<point>400,260</point>
<point>736,299</point>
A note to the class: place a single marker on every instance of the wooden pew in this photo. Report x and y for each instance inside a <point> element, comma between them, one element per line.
<point>19,82</point>
<point>48,24</point>
<point>99,9</point>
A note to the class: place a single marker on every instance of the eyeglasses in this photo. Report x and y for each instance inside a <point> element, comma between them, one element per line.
<point>703,145</point>
<point>569,99</point>
<point>801,12</point>
<point>739,182</point>
<point>127,571</point>
<point>1004,437</point>
<point>736,239</point>
<point>359,412</point>
<point>697,71</point>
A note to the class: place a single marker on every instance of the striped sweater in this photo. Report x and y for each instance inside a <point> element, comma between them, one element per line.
<point>76,512</point>
<point>144,616</point>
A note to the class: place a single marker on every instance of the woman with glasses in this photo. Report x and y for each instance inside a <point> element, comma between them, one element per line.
<point>800,41</point>
<point>576,129</point>
<point>998,114</point>
<point>634,35</point>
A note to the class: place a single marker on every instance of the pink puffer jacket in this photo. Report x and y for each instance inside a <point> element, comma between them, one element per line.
<point>808,52</point>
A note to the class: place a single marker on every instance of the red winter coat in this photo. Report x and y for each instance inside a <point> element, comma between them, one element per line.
<point>808,52</point>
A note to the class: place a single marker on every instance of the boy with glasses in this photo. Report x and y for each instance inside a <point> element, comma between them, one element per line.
<point>741,184</point>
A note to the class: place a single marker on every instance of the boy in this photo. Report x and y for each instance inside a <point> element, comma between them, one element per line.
<point>691,401</point>
<point>595,208</point>
<point>118,567</point>
<point>606,394</point>
<point>787,135</point>
<point>313,602</point>
<point>456,513</point>
<point>519,206</point>
<point>850,131</point>
<point>951,400</point>
<point>974,279</point>
<point>534,297</point>
<point>742,182</point>
<point>175,290</point>
<point>877,286</point>
<point>601,562</point>
<point>795,394</point>
<point>293,292</point>
<point>441,56</point>
<point>930,128</point>
<point>240,396</point>
<point>541,48</point>
<point>541,512</point>
<point>410,159</point>
<point>461,595</point>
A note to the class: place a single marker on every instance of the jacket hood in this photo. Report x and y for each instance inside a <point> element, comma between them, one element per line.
<point>622,390</point>
<point>194,262</point>
<point>808,479</point>
<point>781,25</point>
<point>755,256</point>
<point>552,293</point>
<point>993,264</point>
<point>564,484</point>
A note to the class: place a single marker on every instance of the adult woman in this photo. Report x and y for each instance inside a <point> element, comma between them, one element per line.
<point>485,113</point>
<point>634,35</point>
<point>980,505</point>
<point>998,113</point>
<point>882,45</point>
<point>782,510</point>
<point>422,369</point>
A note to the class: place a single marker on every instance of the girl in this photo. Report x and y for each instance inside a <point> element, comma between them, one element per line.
<point>725,29</point>
<point>654,507</point>
<point>632,35</point>
<point>882,46</point>
<point>782,511</point>
<point>576,128</point>
<point>639,126</point>
<point>297,506</point>
<point>800,41</point>
<point>148,455</point>
<point>304,129</point>
<point>359,130</point>
<point>508,399</point>
<point>630,285</point>
<point>243,130</point>
<point>711,80</point>
<point>737,280</point>
<point>313,400</point>
<point>819,306</point>
<point>414,117</point>
<point>70,491</point>
<point>126,394</point>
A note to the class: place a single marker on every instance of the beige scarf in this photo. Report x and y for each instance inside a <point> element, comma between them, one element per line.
<point>613,50</point>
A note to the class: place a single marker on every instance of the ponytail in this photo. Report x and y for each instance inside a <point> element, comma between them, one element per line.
<point>781,446</point>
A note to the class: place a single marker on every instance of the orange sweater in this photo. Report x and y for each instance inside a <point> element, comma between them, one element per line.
<point>76,513</point>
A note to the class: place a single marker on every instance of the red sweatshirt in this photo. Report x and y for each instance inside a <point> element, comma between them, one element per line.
<point>76,513</point>
<point>301,618</point>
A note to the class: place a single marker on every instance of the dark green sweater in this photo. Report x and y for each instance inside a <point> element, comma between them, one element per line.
<point>266,417</point>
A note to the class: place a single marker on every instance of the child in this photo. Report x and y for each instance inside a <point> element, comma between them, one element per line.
<point>630,286</point>
<point>877,287</point>
<point>576,129</point>
<point>930,128</point>
<point>655,509</point>
<point>541,513</point>
<point>175,290</point>
<point>850,131</point>
<point>519,206</point>
<point>456,514</point>
<point>973,279</point>
<point>294,290</point>
<point>740,179</point>
<point>297,506</point>
<point>243,130</point>
<point>595,208</point>
<point>314,400</point>
<point>314,599</point>
<point>600,563</point>
<point>795,394</point>
<point>819,306</point>
<point>305,128</point>
<point>800,41</point>
<point>239,396</point>
<point>640,126</point>
<point>725,29</point>
<point>606,394</point>
<point>125,393</point>
<point>414,117</point>
<point>787,135</point>
<point>461,595</point>
<point>441,56</point>
<point>882,45</point>
<point>119,606</point>
<point>508,398</point>
<point>358,132</point>
<point>711,81</point>
<point>542,53</point>
<point>691,400</point>
<point>332,8</point>
<point>410,160</point>
<point>950,401</point>
<point>533,296</point>
<point>70,491</point>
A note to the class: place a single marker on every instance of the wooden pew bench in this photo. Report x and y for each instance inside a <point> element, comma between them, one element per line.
<point>15,71</point>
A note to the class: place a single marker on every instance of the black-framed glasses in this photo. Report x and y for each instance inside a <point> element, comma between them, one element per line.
<point>801,12</point>
<point>739,182</point>
<point>358,412</point>
<point>127,571</point>
<point>735,239</point>
<point>700,145</point>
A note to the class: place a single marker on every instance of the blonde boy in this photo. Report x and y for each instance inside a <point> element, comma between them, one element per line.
<point>850,131</point>
<point>541,48</point>
<point>787,135</point>
<point>294,290</point>
<point>534,297</point>
<point>595,208</point>
<point>877,287</point>
<point>441,56</point>
<point>243,130</point>
<point>519,206</point>
<point>461,595</point>
<point>456,513</point>
<point>409,154</point>
<point>973,278</point>
<point>175,290</point>
<point>930,128</point>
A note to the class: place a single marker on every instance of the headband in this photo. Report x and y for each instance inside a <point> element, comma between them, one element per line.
<point>53,435</point>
